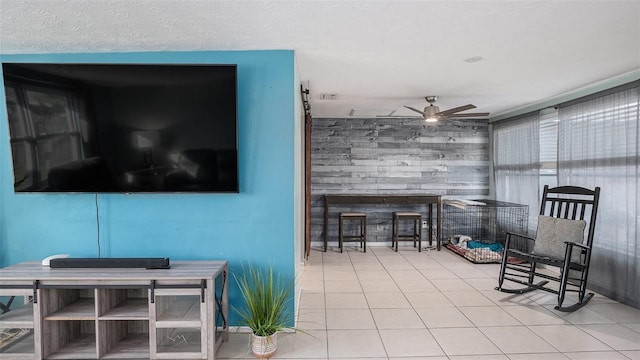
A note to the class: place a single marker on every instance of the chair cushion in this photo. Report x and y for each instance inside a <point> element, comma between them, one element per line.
<point>553,232</point>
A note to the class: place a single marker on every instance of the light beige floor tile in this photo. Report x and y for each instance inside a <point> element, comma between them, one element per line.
<point>478,357</point>
<point>379,286</point>
<point>410,342</point>
<point>333,255</point>
<point>633,326</point>
<point>405,274</point>
<point>237,347</point>
<point>596,355</point>
<point>338,266</point>
<point>583,316</point>
<point>516,340</point>
<point>459,263</point>
<point>633,355</point>
<point>446,257</point>
<point>368,257</point>
<point>467,298</point>
<point>544,298</point>
<point>534,315</point>
<point>417,358</point>
<point>427,299</point>
<point>451,285</point>
<point>312,286</point>
<point>312,300</point>
<point>384,250</point>
<point>364,275</point>
<point>618,312</point>
<point>311,319</point>
<point>403,265</point>
<point>488,316</point>
<point>433,274</point>
<point>501,298</point>
<point>492,270</point>
<point>340,275</point>
<point>342,286</point>
<point>615,335</point>
<point>443,317</point>
<point>397,319</point>
<point>346,301</point>
<point>415,285</point>
<point>312,274</point>
<point>464,341</point>
<point>390,258</point>
<point>568,338</point>
<point>388,300</point>
<point>487,284</point>
<point>426,264</point>
<point>327,282</point>
<point>349,319</point>
<point>466,274</point>
<point>309,345</point>
<point>368,266</point>
<point>354,344</point>
<point>546,356</point>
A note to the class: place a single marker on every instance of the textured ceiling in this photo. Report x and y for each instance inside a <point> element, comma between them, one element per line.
<point>376,56</point>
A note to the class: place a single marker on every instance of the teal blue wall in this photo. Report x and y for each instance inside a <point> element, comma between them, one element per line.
<point>253,226</point>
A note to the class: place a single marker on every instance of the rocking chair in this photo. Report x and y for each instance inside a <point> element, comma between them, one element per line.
<point>560,242</point>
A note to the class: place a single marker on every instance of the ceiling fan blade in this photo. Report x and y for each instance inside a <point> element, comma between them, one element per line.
<point>414,109</point>
<point>469,115</point>
<point>457,109</point>
<point>399,116</point>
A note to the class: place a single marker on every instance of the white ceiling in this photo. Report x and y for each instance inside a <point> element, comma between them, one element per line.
<point>376,56</point>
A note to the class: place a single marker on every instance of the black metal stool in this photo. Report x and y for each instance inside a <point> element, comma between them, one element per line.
<point>416,233</point>
<point>362,237</point>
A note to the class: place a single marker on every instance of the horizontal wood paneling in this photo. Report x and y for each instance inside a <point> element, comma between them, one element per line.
<point>379,156</point>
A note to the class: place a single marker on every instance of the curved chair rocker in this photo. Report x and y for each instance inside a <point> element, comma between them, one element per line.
<point>560,242</point>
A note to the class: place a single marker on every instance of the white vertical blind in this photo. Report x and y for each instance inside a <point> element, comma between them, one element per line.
<point>598,145</point>
<point>516,154</point>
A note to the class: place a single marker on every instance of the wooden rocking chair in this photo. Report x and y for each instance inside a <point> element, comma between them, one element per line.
<point>560,242</point>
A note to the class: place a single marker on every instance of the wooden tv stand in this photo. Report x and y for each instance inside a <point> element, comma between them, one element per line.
<point>115,313</point>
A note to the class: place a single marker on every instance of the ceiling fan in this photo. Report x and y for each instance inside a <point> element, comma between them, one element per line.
<point>432,112</point>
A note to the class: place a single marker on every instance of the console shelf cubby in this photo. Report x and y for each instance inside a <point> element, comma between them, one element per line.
<point>114,313</point>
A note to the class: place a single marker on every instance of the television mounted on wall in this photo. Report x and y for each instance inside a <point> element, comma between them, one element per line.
<point>122,128</point>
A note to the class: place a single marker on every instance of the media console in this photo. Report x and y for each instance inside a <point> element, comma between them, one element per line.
<point>115,313</point>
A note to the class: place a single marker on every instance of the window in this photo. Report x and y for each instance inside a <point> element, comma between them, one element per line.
<point>591,141</point>
<point>548,148</point>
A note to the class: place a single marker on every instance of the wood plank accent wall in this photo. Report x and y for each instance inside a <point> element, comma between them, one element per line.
<point>394,156</point>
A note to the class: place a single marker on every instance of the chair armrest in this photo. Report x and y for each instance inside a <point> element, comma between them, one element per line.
<point>584,247</point>
<point>585,250</point>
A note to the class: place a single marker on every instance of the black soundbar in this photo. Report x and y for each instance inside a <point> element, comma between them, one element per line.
<point>147,263</point>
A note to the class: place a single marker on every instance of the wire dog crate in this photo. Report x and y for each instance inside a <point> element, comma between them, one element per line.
<point>477,229</point>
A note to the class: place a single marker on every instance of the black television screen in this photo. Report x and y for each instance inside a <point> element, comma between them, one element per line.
<point>122,127</point>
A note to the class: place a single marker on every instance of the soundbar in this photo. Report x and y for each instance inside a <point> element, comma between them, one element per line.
<point>147,263</point>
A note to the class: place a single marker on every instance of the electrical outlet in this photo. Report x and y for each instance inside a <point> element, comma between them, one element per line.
<point>424,224</point>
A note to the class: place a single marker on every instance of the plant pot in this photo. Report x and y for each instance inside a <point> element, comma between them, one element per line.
<point>264,347</point>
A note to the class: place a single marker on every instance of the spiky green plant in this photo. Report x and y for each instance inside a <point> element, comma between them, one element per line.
<point>265,298</point>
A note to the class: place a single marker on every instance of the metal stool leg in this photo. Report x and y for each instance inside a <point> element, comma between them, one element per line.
<point>340,235</point>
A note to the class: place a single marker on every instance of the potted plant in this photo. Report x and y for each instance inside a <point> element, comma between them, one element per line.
<point>266,297</point>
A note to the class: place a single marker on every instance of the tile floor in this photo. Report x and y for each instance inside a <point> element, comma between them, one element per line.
<point>436,305</point>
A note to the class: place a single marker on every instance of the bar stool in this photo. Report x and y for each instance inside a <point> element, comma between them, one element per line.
<point>362,237</point>
<point>416,233</point>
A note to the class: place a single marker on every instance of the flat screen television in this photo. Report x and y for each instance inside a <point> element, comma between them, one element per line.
<point>122,128</point>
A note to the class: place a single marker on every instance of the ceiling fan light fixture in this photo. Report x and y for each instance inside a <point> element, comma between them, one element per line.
<point>431,119</point>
